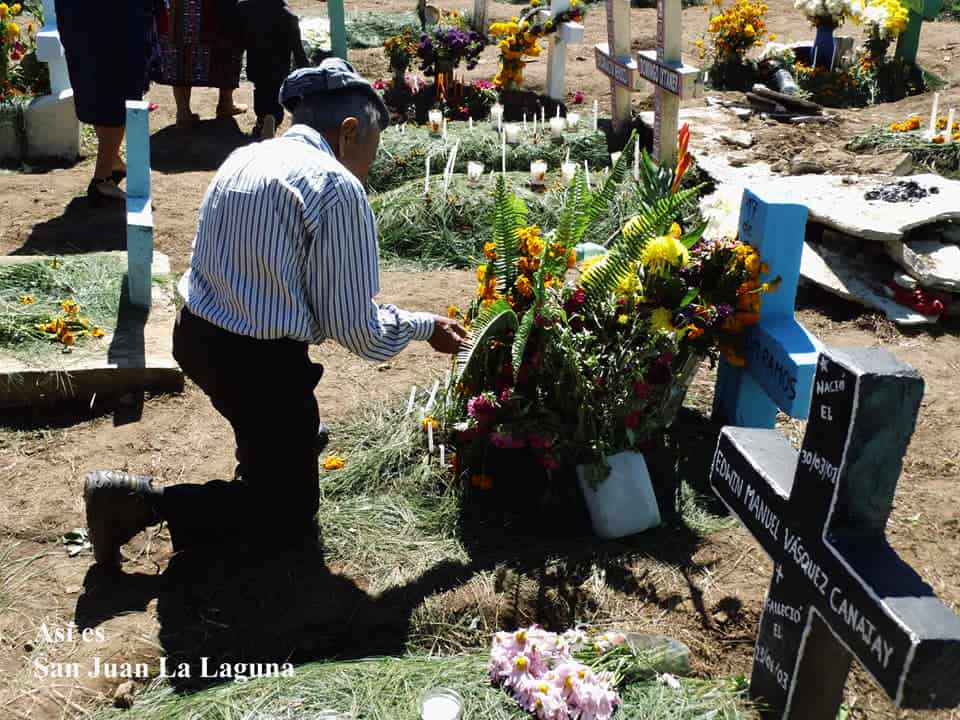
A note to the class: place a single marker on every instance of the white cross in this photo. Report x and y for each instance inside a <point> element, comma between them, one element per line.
<point>50,50</point>
<point>673,80</point>
<point>614,61</point>
<point>570,33</point>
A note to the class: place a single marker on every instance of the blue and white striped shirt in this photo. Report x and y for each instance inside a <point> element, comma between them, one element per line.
<point>286,247</point>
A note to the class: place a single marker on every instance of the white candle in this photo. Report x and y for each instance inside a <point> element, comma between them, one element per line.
<point>586,173</point>
<point>496,116</point>
<point>596,115</point>
<point>503,148</point>
<point>814,56</point>
<point>433,395</point>
<point>426,180</point>
<point>933,115</point>
<point>440,708</point>
<point>567,172</point>
<point>538,173</point>
<point>636,160</point>
<point>558,110</point>
<point>543,116</point>
<point>470,123</point>
<point>446,377</point>
<point>950,116</point>
<point>474,171</point>
<point>413,397</point>
<point>443,455</point>
<point>614,157</point>
<point>557,126</point>
<point>430,437</point>
<point>511,132</point>
<point>524,122</point>
<point>444,129</point>
<point>435,118</point>
<point>534,123</point>
<point>573,119</point>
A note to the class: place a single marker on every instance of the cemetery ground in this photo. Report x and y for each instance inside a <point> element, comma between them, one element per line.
<point>702,583</point>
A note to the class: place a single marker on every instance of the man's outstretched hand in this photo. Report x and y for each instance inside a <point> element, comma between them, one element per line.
<point>448,335</point>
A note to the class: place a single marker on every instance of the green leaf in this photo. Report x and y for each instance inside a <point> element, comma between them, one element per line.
<point>521,338</point>
<point>689,297</point>
<point>693,237</point>
<point>495,320</point>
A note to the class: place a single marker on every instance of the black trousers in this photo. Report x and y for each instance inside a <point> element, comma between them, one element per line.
<point>266,94</point>
<point>264,388</point>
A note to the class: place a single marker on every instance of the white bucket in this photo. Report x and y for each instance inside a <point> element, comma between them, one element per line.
<point>624,503</point>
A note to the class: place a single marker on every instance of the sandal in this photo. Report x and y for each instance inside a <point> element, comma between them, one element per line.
<point>105,193</point>
<point>235,109</point>
<point>118,176</point>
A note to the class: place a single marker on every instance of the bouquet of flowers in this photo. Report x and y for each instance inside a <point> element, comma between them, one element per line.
<point>400,51</point>
<point>443,50</point>
<point>884,21</point>
<point>20,71</point>
<point>541,670</point>
<point>737,28</point>
<point>576,370</point>
<point>518,39</point>
<point>830,13</point>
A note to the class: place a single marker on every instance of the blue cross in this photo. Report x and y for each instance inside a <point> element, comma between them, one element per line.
<point>781,354</point>
<point>139,211</point>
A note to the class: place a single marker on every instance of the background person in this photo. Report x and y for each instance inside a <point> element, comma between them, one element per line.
<point>285,256</point>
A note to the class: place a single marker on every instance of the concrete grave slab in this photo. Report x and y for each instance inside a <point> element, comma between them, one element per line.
<point>846,278</point>
<point>934,264</point>
<point>137,355</point>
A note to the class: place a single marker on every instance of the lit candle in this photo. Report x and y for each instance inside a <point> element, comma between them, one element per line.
<point>573,119</point>
<point>636,160</point>
<point>538,173</point>
<point>950,116</point>
<point>511,132</point>
<point>933,115</point>
<point>474,171</point>
<point>567,172</point>
<point>557,126</point>
<point>413,397</point>
<point>614,157</point>
<point>430,437</point>
<point>496,116</point>
<point>435,118</point>
<point>596,115</point>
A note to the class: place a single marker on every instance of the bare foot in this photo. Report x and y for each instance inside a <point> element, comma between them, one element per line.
<point>234,109</point>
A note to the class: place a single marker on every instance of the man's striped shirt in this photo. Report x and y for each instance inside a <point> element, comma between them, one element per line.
<point>286,247</point>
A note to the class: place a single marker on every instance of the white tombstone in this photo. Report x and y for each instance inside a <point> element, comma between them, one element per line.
<point>614,61</point>
<point>51,120</point>
<point>569,33</point>
<point>673,80</point>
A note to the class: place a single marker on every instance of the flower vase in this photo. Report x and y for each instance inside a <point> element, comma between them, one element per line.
<point>444,79</point>
<point>821,55</point>
<point>624,502</point>
<point>399,79</point>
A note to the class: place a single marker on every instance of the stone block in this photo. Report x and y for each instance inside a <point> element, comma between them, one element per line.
<point>934,264</point>
<point>53,130</point>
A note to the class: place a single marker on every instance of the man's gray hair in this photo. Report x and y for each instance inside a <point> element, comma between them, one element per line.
<point>327,111</point>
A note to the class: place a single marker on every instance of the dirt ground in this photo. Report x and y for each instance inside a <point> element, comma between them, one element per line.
<point>181,438</point>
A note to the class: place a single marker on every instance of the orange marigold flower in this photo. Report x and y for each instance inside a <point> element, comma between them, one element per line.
<point>333,462</point>
<point>524,287</point>
<point>489,249</point>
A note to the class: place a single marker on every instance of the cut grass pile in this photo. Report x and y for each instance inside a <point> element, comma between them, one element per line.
<point>943,158</point>
<point>94,282</point>
<point>390,688</point>
<point>450,232</point>
<point>369,30</point>
<point>403,152</point>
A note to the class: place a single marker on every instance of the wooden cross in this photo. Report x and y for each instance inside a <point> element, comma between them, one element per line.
<point>139,209</point>
<point>908,43</point>
<point>613,60</point>
<point>673,80</point>
<point>569,33</point>
<point>479,19</point>
<point>839,591</point>
<point>781,354</point>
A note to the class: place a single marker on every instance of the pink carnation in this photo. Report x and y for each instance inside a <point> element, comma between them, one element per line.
<point>506,440</point>
<point>578,97</point>
<point>482,407</point>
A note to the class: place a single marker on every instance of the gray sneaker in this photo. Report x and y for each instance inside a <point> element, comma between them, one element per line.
<point>119,506</point>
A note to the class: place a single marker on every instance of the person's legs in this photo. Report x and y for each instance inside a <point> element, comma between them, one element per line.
<point>181,96</point>
<point>226,107</point>
<point>266,102</point>
<point>103,188</point>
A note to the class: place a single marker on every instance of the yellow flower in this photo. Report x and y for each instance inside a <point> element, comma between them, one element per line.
<point>96,332</point>
<point>333,462</point>
<point>13,30</point>
<point>535,246</point>
<point>699,43</point>
<point>623,319</point>
<point>55,264</point>
<point>524,287</point>
<point>15,9</point>
<point>675,230</point>
<point>453,311</point>
<point>534,3</point>
<point>70,307</point>
<point>430,422</point>
<point>4,10</point>
<point>481,273</point>
<point>773,37</point>
<point>28,300</point>
<point>520,663</point>
<point>489,249</point>
<point>661,321</point>
<point>67,339</point>
<point>664,252</point>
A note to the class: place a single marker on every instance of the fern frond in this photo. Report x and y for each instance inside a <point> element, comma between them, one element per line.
<point>509,216</point>
<point>600,201</point>
<point>494,319</point>
<point>520,339</point>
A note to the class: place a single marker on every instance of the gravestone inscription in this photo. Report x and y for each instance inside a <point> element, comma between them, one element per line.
<point>839,591</point>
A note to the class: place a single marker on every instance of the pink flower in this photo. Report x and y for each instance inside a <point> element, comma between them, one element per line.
<point>379,84</point>
<point>506,394</point>
<point>578,97</point>
<point>506,441</point>
<point>549,462</point>
<point>632,419</point>
<point>540,441</point>
<point>483,407</point>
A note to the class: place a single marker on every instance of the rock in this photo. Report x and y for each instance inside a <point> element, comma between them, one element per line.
<point>904,281</point>
<point>738,159</point>
<point>667,655</point>
<point>951,233</point>
<point>898,164</point>
<point>738,138</point>
<point>852,280</point>
<point>742,113</point>
<point>934,264</point>
<point>123,695</point>
<point>800,166</point>
<point>780,167</point>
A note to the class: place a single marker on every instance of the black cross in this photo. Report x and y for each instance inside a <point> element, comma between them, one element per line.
<point>839,590</point>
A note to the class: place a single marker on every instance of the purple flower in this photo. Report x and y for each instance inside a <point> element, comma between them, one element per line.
<point>723,311</point>
<point>483,407</point>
